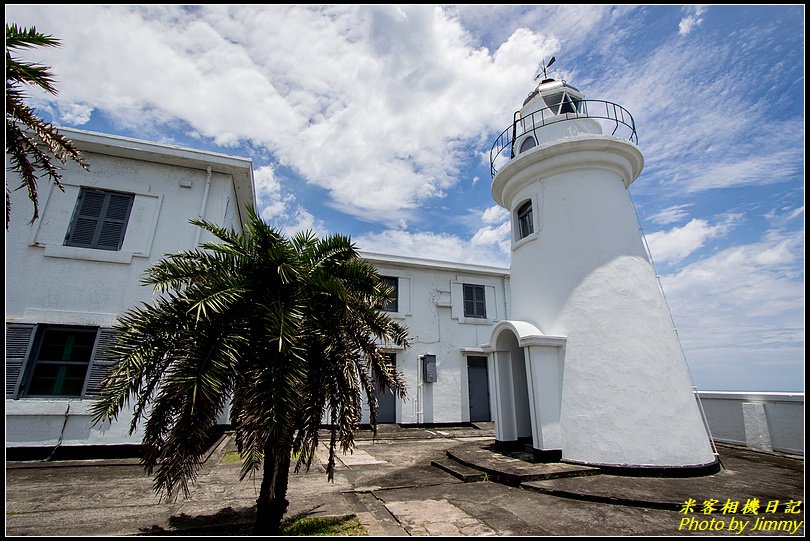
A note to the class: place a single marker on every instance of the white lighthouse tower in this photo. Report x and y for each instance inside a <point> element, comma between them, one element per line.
<point>588,367</point>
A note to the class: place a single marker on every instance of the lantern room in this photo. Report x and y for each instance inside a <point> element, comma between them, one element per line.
<point>550,104</point>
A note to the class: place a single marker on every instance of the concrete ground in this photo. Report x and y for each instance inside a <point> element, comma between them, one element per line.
<point>390,484</point>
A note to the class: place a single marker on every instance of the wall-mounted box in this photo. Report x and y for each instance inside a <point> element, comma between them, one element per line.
<point>429,374</point>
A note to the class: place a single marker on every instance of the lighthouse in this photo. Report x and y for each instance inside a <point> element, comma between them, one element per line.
<point>588,367</point>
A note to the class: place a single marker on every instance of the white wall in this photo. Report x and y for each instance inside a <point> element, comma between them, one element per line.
<point>763,421</point>
<point>47,282</point>
<point>42,422</point>
<point>431,306</point>
<point>52,283</point>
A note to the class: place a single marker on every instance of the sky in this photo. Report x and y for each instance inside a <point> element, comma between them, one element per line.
<point>376,121</point>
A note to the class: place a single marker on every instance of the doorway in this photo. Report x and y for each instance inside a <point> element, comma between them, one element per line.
<point>514,412</point>
<point>386,400</point>
<point>478,389</point>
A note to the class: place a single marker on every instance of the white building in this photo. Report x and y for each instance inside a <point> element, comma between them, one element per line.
<point>571,351</point>
<point>71,273</point>
<point>449,309</point>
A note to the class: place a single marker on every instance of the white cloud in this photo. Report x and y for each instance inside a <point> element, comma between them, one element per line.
<point>670,215</point>
<point>489,245</point>
<point>494,235</point>
<point>497,232</point>
<point>795,213</point>
<point>703,119</point>
<point>740,312</point>
<point>433,246</point>
<point>576,23</point>
<point>494,215</point>
<point>691,21</point>
<point>372,103</point>
<point>680,242</point>
<point>758,169</point>
<point>75,113</point>
<point>779,219</point>
<point>279,208</point>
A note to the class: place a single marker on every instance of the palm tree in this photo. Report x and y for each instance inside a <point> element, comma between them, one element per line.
<point>289,329</point>
<point>30,141</point>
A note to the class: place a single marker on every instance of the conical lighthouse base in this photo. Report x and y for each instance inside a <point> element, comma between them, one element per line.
<point>589,367</point>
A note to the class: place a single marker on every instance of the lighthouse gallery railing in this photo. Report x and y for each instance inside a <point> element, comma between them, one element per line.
<point>617,118</point>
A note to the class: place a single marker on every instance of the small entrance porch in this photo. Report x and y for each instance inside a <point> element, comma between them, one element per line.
<point>528,378</point>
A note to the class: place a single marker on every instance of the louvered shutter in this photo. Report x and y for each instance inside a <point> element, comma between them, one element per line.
<point>19,337</point>
<point>102,362</point>
<point>88,213</point>
<point>100,220</point>
<point>114,223</point>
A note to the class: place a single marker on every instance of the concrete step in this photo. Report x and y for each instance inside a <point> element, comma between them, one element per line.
<point>458,470</point>
<point>508,470</point>
<point>581,491</point>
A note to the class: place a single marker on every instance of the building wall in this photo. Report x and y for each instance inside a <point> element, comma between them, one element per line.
<point>47,282</point>
<point>53,283</point>
<point>34,422</point>
<point>431,306</point>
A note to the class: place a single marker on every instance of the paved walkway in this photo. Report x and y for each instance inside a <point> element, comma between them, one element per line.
<point>390,484</point>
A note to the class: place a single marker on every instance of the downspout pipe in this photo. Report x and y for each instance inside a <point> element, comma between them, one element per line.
<point>507,294</point>
<point>202,206</point>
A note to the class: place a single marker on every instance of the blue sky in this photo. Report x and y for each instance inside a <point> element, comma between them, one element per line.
<point>376,121</point>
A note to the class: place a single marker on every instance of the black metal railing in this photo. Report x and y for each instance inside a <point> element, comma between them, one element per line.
<point>617,120</point>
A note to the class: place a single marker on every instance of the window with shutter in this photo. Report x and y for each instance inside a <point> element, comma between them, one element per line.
<point>19,338</point>
<point>60,361</point>
<point>102,364</point>
<point>100,219</point>
<point>475,304</point>
<point>64,361</point>
<point>392,304</point>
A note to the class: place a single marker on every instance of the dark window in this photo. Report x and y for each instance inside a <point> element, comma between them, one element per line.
<point>392,304</point>
<point>525,221</point>
<point>63,355</point>
<point>527,144</point>
<point>475,304</point>
<point>568,105</point>
<point>553,102</point>
<point>561,103</point>
<point>100,219</point>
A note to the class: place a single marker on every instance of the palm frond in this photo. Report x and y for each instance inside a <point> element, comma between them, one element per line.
<point>26,157</point>
<point>288,329</point>
<point>18,37</point>
<point>23,72</point>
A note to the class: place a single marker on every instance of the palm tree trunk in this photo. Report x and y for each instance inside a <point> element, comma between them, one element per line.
<point>272,502</point>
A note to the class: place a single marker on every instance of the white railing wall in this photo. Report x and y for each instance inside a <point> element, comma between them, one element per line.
<point>761,421</point>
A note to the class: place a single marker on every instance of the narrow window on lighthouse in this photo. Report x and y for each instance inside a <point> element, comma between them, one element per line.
<point>525,221</point>
<point>527,144</point>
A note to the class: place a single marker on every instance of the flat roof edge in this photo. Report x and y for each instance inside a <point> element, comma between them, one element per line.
<point>83,137</point>
<point>433,264</point>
